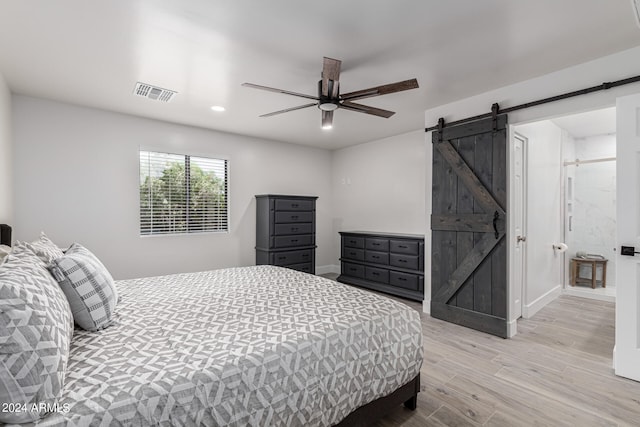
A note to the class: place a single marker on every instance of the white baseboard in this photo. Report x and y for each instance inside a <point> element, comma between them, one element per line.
<point>588,293</point>
<point>613,362</point>
<point>426,306</point>
<point>512,328</point>
<point>325,269</point>
<point>530,309</point>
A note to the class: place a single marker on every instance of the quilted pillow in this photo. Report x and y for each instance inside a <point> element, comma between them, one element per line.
<point>46,250</point>
<point>36,327</point>
<point>88,286</point>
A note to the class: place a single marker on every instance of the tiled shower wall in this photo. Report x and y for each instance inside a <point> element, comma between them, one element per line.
<point>593,200</point>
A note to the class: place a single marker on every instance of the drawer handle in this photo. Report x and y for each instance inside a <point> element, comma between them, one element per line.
<point>305,255</point>
<point>352,253</point>
<point>282,258</point>
<point>294,240</point>
<point>375,274</point>
<point>294,205</point>
<point>402,279</point>
<point>403,247</point>
<point>352,269</point>
<point>353,242</point>
<point>376,244</point>
<point>402,260</point>
<point>294,228</point>
<point>294,216</point>
<point>375,257</point>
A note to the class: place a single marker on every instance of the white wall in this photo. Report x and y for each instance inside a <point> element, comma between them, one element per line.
<point>618,66</point>
<point>76,177</point>
<point>545,219</point>
<point>380,186</point>
<point>6,170</point>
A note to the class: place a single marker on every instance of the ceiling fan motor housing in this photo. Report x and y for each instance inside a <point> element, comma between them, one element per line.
<point>327,103</point>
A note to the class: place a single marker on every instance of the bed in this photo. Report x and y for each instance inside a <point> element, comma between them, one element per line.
<point>254,346</point>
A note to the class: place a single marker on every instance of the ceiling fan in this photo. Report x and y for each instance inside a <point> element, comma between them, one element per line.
<point>330,99</point>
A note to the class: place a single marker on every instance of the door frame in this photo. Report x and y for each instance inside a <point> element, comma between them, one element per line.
<point>517,289</point>
<point>513,288</point>
<point>626,351</point>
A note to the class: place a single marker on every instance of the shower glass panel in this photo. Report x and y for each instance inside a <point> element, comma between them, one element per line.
<point>591,213</point>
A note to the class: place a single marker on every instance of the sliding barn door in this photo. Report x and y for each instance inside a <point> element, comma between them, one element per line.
<point>469,253</point>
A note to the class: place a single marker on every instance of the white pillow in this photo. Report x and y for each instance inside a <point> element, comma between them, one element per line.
<point>46,250</point>
<point>4,251</point>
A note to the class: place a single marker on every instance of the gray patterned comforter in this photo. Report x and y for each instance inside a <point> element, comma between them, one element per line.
<point>251,346</point>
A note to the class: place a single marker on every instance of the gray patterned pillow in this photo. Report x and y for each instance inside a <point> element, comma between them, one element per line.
<point>36,327</point>
<point>88,286</point>
<point>46,250</point>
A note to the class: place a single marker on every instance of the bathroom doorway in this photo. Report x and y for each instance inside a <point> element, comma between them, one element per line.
<point>589,162</point>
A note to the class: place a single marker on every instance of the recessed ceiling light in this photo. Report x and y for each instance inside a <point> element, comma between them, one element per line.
<point>327,127</point>
<point>218,108</point>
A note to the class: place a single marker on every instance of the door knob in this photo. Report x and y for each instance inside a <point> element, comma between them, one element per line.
<point>521,239</point>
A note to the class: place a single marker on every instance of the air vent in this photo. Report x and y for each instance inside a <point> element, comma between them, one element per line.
<point>636,10</point>
<point>153,92</point>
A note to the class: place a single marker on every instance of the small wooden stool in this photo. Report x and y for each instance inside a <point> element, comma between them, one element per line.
<point>594,263</point>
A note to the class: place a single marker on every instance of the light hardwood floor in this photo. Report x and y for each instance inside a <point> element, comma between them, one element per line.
<point>555,372</point>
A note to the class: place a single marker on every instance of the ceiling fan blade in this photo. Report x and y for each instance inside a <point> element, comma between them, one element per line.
<point>330,72</point>
<point>327,119</point>
<point>286,110</point>
<point>366,109</point>
<point>381,90</point>
<point>286,92</point>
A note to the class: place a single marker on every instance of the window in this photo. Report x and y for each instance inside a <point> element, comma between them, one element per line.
<point>182,194</point>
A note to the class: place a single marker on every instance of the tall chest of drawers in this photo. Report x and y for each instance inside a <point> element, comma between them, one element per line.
<point>286,231</point>
<point>391,263</point>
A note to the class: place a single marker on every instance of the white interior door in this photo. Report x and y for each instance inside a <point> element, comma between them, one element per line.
<point>627,348</point>
<point>518,228</point>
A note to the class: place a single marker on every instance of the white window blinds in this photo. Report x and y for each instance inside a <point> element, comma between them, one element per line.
<point>182,194</point>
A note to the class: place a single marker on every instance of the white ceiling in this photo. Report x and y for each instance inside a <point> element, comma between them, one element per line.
<point>590,123</point>
<point>93,52</point>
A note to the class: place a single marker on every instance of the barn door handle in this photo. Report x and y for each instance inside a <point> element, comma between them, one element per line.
<point>496,215</point>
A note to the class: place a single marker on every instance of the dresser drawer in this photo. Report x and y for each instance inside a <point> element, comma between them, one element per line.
<point>376,244</point>
<point>376,257</point>
<point>353,270</point>
<point>291,257</point>
<point>293,205</point>
<point>286,229</point>
<point>294,217</point>
<point>292,241</point>
<point>404,247</point>
<point>304,267</point>
<point>353,242</point>
<point>405,261</point>
<point>376,274</point>
<point>404,280</point>
<point>352,253</point>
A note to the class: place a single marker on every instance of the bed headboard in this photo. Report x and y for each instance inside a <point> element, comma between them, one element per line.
<point>5,234</point>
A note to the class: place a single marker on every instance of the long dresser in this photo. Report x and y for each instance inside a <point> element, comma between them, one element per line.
<point>286,231</point>
<point>385,262</point>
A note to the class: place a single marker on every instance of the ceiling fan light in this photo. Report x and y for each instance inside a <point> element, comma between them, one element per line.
<point>327,127</point>
<point>218,108</point>
<point>328,106</point>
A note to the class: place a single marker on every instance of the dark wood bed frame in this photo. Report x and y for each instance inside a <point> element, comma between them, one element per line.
<point>5,235</point>
<point>365,415</point>
<point>368,414</point>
